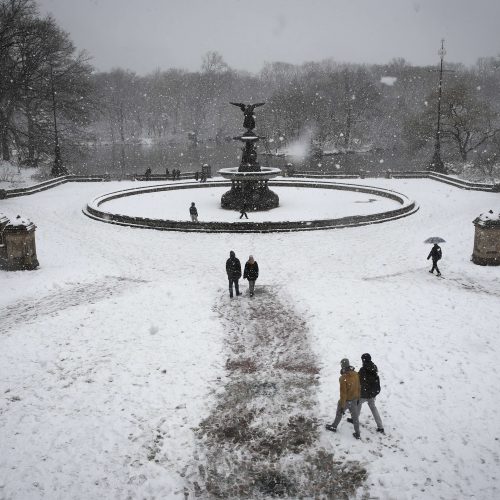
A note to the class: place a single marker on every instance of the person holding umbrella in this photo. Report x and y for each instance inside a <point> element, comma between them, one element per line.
<point>435,254</point>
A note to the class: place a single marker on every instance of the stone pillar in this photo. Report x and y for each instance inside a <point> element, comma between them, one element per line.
<point>487,239</point>
<point>206,170</point>
<point>3,249</point>
<point>18,249</point>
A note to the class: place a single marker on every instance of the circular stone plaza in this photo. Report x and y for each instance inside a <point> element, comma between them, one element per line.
<point>126,371</point>
<point>304,205</point>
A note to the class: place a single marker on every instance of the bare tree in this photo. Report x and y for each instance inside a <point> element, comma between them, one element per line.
<point>40,78</point>
<point>467,121</point>
<point>14,15</point>
<point>213,62</point>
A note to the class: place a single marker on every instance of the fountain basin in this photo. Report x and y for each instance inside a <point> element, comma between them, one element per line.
<point>259,223</point>
<point>249,190</point>
<point>264,174</point>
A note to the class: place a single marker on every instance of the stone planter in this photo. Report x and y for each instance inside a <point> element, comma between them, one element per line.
<point>487,239</point>
<point>17,245</point>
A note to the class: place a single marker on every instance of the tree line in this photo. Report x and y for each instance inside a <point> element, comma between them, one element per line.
<point>51,93</point>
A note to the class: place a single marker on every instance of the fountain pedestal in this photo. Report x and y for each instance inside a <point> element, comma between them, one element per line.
<point>249,190</point>
<point>249,182</point>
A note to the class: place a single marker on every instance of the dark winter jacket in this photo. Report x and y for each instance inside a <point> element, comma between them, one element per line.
<point>192,210</point>
<point>251,272</point>
<point>233,268</point>
<point>435,253</point>
<point>369,380</point>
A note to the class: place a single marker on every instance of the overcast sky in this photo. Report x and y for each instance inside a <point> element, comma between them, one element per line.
<point>142,35</point>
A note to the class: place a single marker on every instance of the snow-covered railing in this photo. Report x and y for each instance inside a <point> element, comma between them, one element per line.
<point>57,181</point>
<point>160,177</point>
<point>463,184</point>
<point>320,175</point>
<point>419,174</point>
<point>414,174</point>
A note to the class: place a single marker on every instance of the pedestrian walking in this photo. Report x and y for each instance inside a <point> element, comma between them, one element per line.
<point>436,254</point>
<point>349,397</point>
<point>233,270</point>
<point>251,273</point>
<point>370,388</point>
<point>243,211</point>
<point>167,173</point>
<point>147,174</point>
<point>193,212</point>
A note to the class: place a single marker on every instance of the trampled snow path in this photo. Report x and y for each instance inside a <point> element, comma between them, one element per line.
<point>57,302</point>
<point>261,437</point>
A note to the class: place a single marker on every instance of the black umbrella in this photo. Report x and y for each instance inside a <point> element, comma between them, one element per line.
<point>435,239</point>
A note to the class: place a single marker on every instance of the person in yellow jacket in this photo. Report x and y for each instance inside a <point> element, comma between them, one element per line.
<point>350,391</point>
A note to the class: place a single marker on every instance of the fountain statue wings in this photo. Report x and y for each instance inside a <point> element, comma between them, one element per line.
<point>249,121</point>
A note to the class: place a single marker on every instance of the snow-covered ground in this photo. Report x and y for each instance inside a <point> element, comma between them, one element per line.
<point>12,176</point>
<point>115,349</point>
<point>295,204</point>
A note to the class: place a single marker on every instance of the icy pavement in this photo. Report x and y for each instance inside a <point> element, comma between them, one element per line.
<point>115,351</point>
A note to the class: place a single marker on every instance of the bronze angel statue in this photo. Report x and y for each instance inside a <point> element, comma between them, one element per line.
<point>249,121</point>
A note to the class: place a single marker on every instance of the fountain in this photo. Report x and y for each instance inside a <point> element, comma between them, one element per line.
<point>249,181</point>
<point>249,192</point>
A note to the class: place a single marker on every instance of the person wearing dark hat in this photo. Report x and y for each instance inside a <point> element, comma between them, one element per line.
<point>370,388</point>
<point>233,270</point>
<point>349,397</point>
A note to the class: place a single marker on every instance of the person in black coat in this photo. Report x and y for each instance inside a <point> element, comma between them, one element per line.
<point>251,273</point>
<point>436,255</point>
<point>193,211</point>
<point>370,388</point>
<point>243,211</point>
<point>233,270</point>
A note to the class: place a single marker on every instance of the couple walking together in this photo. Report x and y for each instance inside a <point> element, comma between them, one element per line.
<point>233,270</point>
<point>355,389</point>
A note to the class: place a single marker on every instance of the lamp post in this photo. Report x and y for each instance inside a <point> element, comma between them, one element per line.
<point>437,164</point>
<point>57,168</point>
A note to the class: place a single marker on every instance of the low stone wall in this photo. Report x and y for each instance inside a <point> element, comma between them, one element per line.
<point>408,207</point>
<point>57,181</point>
<point>459,183</point>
